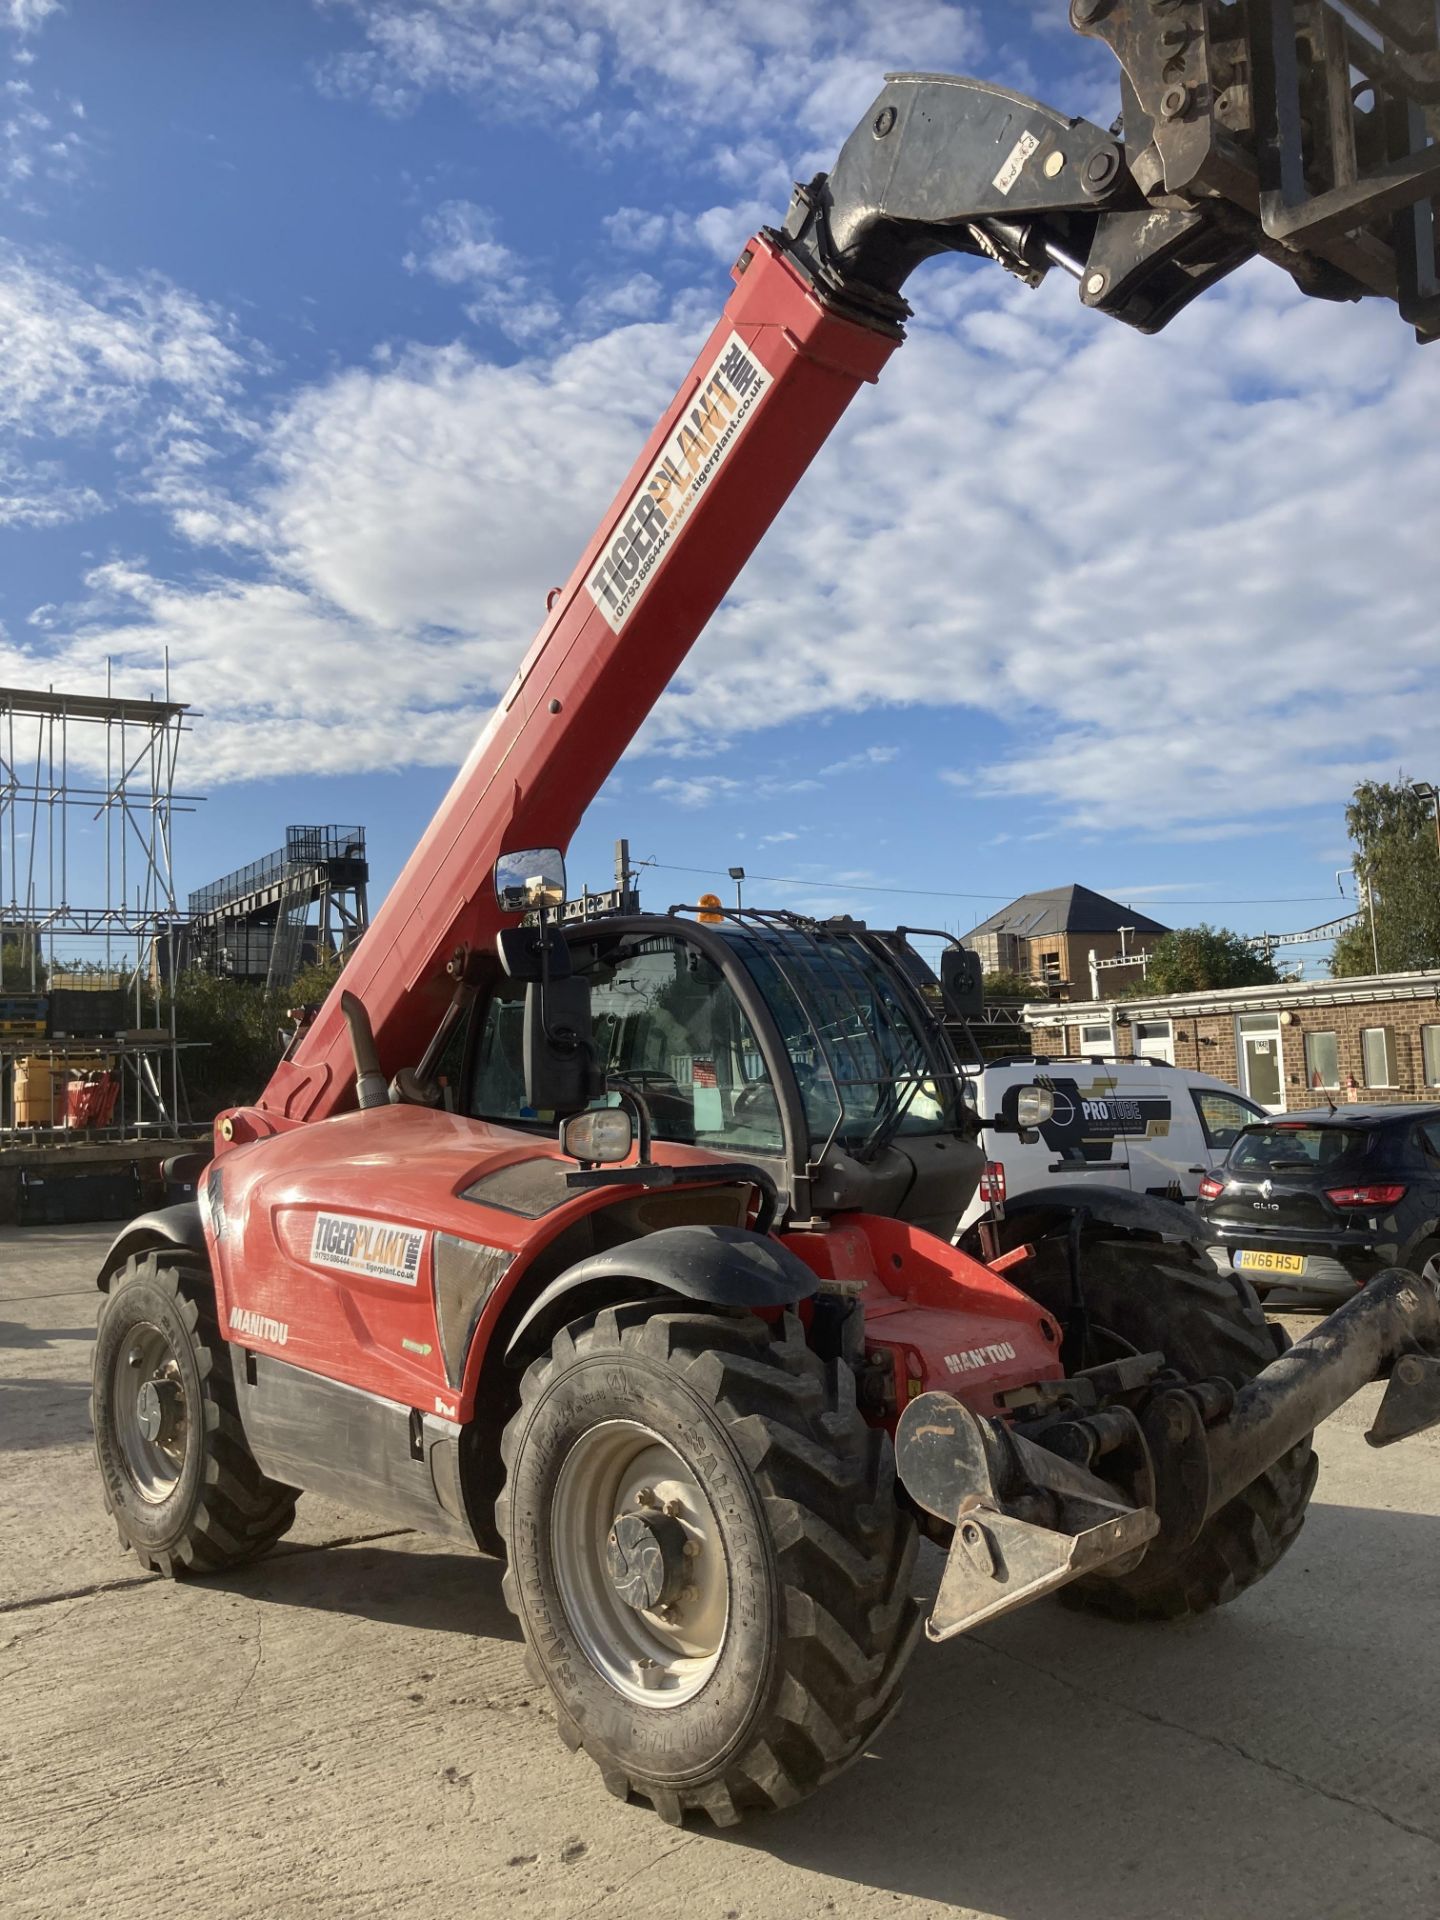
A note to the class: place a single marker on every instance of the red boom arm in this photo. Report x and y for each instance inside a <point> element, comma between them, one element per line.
<point>714,474</point>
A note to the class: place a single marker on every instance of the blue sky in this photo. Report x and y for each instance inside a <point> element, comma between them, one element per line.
<point>290,293</point>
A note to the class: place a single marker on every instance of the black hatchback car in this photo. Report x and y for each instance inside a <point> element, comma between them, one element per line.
<point>1312,1205</point>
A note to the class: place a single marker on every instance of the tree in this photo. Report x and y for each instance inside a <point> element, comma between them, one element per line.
<point>19,958</point>
<point>1200,959</point>
<point>1005,985</point>
<point>1397,866</point>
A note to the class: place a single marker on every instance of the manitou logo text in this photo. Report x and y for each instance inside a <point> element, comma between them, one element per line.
<point>372,1247</point>
<point>688,461</point>
<point>976,1357</point>
<point>258,1326</point>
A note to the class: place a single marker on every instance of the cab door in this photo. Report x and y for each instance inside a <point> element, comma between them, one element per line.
<point>668,1022</point>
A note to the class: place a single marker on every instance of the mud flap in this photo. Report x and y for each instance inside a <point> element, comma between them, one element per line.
<point>1026,1521</point>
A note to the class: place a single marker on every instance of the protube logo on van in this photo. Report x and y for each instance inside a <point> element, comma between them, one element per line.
<point>687,463</point>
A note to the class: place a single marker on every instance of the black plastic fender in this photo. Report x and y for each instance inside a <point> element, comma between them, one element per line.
<point>177,1226</point>
<point>722,1266</point>
<point>1050,1209</point>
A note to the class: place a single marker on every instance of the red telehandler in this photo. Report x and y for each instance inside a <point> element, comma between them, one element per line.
<point>623,1249</point>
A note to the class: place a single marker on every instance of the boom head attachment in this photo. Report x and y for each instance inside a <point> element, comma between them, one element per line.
<point>1303,131</point>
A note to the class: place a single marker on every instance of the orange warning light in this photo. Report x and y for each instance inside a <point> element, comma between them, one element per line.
<point>710,913</point>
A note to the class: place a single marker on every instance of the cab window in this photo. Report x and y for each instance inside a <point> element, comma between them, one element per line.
<point>665,1020</point>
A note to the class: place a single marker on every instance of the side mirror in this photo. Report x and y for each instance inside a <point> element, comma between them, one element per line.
<point>1022,1109</point>
<point>600,1138</point>
<point>531,879</point>
<point>961,984</point>
<point>559,1052</point>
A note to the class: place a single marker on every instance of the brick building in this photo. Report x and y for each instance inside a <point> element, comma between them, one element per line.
<point>1373,1038</point>
<point>1050,937</point>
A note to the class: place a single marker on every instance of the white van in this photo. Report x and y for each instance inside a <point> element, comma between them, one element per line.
<point>1139,1125</point>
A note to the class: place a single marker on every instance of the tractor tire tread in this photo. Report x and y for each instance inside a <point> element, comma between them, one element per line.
<point>825,1482</point>
<point>239,1512</point>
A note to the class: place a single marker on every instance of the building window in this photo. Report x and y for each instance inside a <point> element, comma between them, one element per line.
<point>1430,1047</point>
<point>1050,966</point>
<point>1377,1048</point>
<point>1322,1060</point>
<point>1154,1040</point>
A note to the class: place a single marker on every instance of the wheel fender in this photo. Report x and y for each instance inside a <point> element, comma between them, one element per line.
<point>722,1266</point>
<point>1054,1207</point>
<point>177,1226</point>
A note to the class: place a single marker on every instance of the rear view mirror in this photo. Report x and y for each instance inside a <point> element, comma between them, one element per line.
<point>961,991</point>
<point>528,880</point>
<point>598,1139</point>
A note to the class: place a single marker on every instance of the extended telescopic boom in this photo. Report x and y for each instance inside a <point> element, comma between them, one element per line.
<point>1243,134</point>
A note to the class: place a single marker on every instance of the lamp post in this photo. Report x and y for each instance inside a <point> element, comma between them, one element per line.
<point>1426,790</point>
<point>737,874</point>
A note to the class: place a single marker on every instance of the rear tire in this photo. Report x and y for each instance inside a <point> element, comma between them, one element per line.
<point>1209,1325</point>
<point>780,1656</point>
<point>177,1474</point>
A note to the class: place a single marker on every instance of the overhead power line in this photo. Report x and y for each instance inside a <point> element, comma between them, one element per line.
<point>949,893</point>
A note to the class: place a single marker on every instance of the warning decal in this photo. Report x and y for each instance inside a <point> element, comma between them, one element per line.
<point>372,1247</point>
<point>1015,163</point>
<point>687,463</point>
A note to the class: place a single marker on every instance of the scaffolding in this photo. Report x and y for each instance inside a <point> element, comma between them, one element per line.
<point>89,923</point>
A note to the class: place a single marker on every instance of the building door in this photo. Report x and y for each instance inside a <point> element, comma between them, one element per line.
<point>1257,1044</point>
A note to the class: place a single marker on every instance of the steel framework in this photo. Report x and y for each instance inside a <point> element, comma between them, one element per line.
<point>87,898</point>
<point>255,923</point>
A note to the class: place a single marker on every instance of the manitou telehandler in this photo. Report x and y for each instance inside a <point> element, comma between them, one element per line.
<point>622,1249</point>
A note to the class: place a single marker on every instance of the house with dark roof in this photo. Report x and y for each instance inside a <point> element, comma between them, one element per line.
<point>1054,935</point>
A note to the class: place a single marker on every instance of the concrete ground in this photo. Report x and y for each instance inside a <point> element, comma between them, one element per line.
<point>347,1729</point>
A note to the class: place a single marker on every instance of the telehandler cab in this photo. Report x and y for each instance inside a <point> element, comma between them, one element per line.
<point>622,1249</point>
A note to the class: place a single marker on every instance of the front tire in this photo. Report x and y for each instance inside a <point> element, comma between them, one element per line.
<point>178,1477</point>
<point>1144,1298</point>
<point>707,1558</point>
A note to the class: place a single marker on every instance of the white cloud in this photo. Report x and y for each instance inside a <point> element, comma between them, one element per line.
<point>701,791</point>
<point>138,364</point>
<point>79,357</point>
<point>1191,576</point>
<point>810,64</point>
<point>859,762</point>
<point>461,248</point>
<point>27,16</point>
<point>40,496</point>
<point>637,230</point>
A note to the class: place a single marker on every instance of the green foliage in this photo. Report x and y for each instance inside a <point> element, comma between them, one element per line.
<point>1396,862</point>
<point>1004,985</point>
<point>15,967</point>
<point>239,1026</point>
<point>242,1028</point>
<point>1201,959</point>
<point>311,986</point>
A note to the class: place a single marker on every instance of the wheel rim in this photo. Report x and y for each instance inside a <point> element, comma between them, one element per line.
<point>152,1413</point>
<point>640,1564</point>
